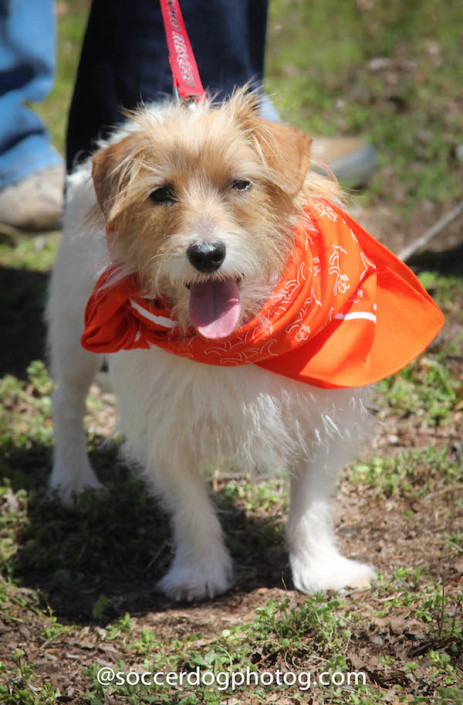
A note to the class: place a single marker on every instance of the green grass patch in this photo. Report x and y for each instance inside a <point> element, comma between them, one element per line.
<point>386,72</point>
<point>408,475</point>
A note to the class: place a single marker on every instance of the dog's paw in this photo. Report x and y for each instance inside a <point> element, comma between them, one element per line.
<point>68,488</point>
<point>190,582</point>
<point>333,572</point>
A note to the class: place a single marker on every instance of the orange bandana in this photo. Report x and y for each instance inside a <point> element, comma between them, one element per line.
<point>345,313</point>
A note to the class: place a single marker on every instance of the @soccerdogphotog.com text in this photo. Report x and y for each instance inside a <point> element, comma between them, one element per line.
<point>225,680</point>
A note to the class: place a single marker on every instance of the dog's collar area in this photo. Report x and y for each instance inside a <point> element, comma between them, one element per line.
<point>345,313</point>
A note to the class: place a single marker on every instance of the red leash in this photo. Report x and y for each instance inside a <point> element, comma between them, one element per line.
<point>187,83</point>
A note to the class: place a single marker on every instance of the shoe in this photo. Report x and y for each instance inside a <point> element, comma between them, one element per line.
<point>35,203</point>
<point>351,159</point>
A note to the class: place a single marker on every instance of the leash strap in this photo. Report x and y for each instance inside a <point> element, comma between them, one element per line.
<point>187,83</point>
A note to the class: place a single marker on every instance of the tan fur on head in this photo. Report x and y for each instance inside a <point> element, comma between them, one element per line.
<point>199,152</point>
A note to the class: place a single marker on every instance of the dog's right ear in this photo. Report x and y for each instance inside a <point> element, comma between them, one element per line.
<point>109,173</point>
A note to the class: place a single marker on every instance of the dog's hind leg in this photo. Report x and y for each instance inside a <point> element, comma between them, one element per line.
<point>316,563</point>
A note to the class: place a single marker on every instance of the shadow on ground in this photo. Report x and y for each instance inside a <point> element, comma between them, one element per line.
<point>95,563</point>
<point>22,296</point>
<point>444,262</point>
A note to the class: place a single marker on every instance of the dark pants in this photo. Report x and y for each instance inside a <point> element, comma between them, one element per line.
<point>124,59</point>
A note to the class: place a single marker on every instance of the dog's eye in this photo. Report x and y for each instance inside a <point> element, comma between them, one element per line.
<point>163,194</point>
<point>241,185</point>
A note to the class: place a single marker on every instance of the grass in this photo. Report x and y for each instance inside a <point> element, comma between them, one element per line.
<point>427,388</point>
<point>387,71</point>
<point>409,475</point>
<point>76,587</point>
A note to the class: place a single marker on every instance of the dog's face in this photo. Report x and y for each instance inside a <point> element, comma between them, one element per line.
<point>201,202</point>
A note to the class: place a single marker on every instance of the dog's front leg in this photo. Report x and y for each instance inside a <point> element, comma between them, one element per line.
<point>72,472</point>
<point>316,563</point>
<point>73,370</point>
<point>201,567</point>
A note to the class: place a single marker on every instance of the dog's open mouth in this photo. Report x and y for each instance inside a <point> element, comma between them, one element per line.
<point>215,307</point>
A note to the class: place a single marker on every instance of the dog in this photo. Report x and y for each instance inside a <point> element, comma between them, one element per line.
<point>188,197</point>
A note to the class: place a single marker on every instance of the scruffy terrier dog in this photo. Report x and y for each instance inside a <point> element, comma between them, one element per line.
<point>200,202</point>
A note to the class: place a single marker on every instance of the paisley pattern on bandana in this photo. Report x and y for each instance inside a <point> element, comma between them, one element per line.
<point>345,313</point>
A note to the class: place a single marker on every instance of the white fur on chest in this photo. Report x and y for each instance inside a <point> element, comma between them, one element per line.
<point>174,409</point>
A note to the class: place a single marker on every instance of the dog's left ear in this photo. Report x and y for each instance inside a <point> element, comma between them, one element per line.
<point>286,150</point>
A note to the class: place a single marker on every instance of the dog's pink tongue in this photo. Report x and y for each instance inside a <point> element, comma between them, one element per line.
<point>215,307</point>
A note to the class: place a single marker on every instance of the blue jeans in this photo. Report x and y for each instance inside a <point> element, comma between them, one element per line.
<point>124,59</point>
<point>27,53</point>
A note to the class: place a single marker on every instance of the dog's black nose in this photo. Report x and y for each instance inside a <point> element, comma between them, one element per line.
<point>206,256</point>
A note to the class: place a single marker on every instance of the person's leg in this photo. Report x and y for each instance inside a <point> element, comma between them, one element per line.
<point>124,59</point>
<point>27,50</point>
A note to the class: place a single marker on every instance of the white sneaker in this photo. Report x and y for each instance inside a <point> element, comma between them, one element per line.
<point>35,203</point>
